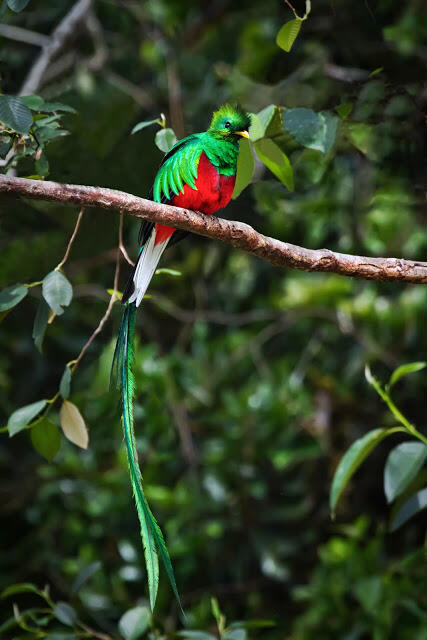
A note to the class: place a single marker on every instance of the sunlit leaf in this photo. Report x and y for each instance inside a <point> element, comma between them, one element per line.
<point>73,424</point>
<point>165,139</point>
<point>403,464</point>
<point>351,461</point>
<point>245,168</point>
<point>169,272</point>
<point>134,623</point>
<point>57,291</point>
<point>45,438</point>
<point>411,507</point>
<point>23,416</point>
<point>11,296</point>
<point>277,161</point>
<point>288,33</point>
<point>404,370</point>
<point>15,114</point>
<point>266,123</point>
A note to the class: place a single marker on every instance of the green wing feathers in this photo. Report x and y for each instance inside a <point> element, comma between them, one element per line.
<point>178,168</point>
<point>151,534</point>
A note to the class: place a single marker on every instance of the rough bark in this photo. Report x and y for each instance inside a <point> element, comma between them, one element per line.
<point>238,234</point>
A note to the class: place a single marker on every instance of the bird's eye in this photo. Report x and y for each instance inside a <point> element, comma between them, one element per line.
<point>227,125</point>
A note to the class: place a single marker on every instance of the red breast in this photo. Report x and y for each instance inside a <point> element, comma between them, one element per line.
<point>214,192</point>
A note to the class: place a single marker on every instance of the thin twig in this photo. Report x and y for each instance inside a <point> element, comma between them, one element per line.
<point>70,243</point>
<point>121,245</point>
<point>74,363</point>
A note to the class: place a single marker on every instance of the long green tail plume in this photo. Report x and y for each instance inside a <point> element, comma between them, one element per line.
<point>151,534</point>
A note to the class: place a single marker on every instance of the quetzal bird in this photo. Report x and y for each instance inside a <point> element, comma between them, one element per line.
<point>198,173</point>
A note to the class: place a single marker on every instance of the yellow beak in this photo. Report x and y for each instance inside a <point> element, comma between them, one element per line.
<point>244,134</point>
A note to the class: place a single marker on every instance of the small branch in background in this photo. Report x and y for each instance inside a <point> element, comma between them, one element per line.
<point>70,243</point>
<point>175,101</point>
<point>121,245</point>
<point>114,297</point>
<point>238,234</point>
<point>24,35</point>
<point>66,29</point>
<point>140,96</point>
<point>345,74</point>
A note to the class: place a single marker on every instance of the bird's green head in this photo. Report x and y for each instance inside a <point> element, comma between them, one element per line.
<point>230,123</point>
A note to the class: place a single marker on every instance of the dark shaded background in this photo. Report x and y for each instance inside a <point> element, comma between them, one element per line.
<point>250,379</point>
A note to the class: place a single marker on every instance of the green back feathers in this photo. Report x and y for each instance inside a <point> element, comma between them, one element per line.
<point>179,167</point>
<point>219,142</point>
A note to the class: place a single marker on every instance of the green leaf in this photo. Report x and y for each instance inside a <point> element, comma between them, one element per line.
<point>266,123</point>
<point>23,416</point>
<point>11,296</point>
<point>369,591</point>
<point>404,370</point>
<point>143,124</point>
<point>165,139</point>
<point>245,168</point>
<point>46,439</point>
<point>40,323</point>
<point>50,107</point>
<point>57,291</point>
<point>22,587</point>
<point>235,634</point>
<point>351,461</point>
<point>215,609</point>
<point>288,33</point>
<point>403,464</point>
<point>42,165</point>
<point>64,385</point>
<point>33,102</point>
<point>344,110</point>
<point>15,114</point>
<point>134,623</point>
<point>84,576</point>
<point>190,634</point>
<point>169,272</point>
<point>17,5</point>
<point>310,129</point>
<point>73,424</point>
<point>412,506</point>
<point>277,161</point>
<point>65,613</point>
<point>252,624</point>
<point>363,137</point>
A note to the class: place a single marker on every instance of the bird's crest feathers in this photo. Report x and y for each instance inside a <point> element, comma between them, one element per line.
<point>229,120</point>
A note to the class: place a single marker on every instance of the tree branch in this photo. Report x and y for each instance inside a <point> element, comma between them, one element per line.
<point>238,234</point>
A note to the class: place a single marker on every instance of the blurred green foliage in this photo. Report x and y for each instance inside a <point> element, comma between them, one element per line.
<point>250,379</point>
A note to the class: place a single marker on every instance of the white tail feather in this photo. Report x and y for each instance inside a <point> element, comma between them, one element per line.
<point>146,266</point>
